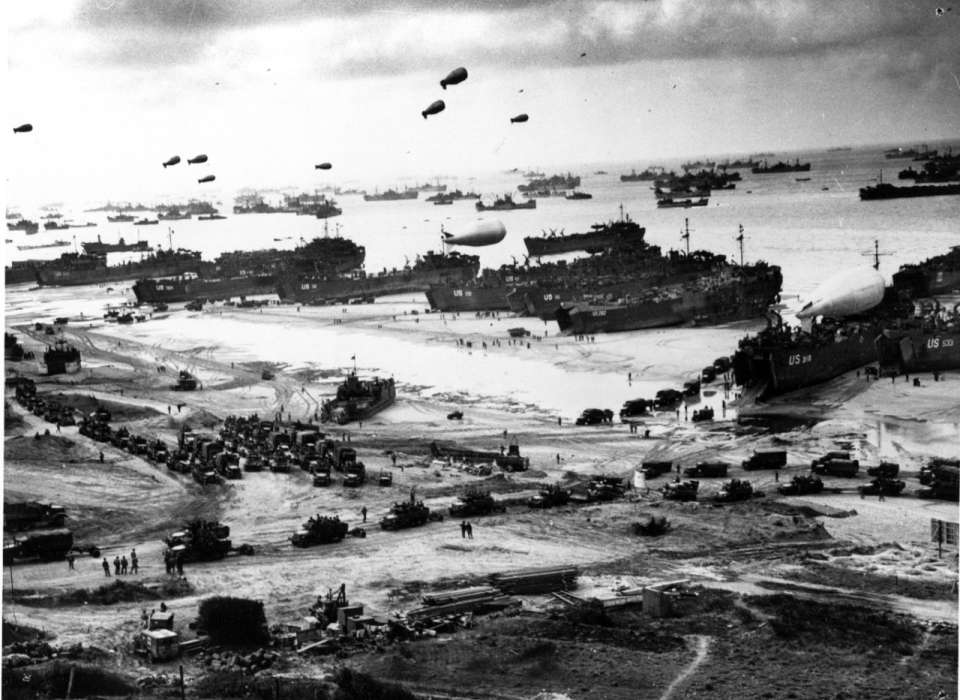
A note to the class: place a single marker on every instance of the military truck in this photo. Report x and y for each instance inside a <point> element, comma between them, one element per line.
<point>604,488</point>
<point>885,470</point>
<point>834,454</point>
<point>200,540</point>
<point>766,459</point>
<point>321,475</point>
<point>319,529</point>
<point>801,486</point>
<point>552,495</point>
<point>45,545</point>
<point>837,467</point>
<point>706,470</point>
<point>652,470</point>
<point>158,642</point>
<point>883,485</point>
<point>681,490</point>
<point>942,478</point>
<point>667,399</point>
<point>734,490</point>
<point>407,514</point>
<point>355,474</point>
<point>29,515</point>
<point>635,408</point>
<point>185,382</point>
<point>474,503</point>
<point>157,451</point>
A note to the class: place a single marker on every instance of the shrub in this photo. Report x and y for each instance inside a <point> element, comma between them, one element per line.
<point>233,621</point>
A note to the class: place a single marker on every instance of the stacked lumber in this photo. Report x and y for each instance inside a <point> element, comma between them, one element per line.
<point>463,600</point>
<point>542,580</point>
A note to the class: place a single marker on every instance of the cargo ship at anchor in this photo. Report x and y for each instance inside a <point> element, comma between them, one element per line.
<point>391,196</point>
<point>251,273</point>
<point>506,203</point>
<point>98,247</point>
<point>75,268</point>
<point>781,167</point>
<point>604,235</point>
<point>321,287</point>
<point>884,190</point>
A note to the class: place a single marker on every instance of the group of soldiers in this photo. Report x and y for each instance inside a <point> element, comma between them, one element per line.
<point>173,561</point>
<point>121,565</point>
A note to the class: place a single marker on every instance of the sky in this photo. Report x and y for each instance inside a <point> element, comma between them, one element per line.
<point>269,88</point>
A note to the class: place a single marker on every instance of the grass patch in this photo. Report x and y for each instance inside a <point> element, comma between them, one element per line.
<point>838,625</point>
<point>108,594</point>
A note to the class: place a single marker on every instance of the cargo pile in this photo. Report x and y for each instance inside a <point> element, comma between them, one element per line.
<point>537,580</point>
<point>477,600</point>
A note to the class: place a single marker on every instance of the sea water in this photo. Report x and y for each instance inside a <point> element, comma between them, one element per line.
<point>811,229</point>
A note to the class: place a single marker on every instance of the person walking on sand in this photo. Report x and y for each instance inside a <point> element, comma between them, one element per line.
<point>116,566</point>
<point>134,562</point>
<point>363,511</point>
<point>70,559</point>
<point>106,567</point>
<point>469,531</point>
<point>124,564</point>
<point>463,529</point>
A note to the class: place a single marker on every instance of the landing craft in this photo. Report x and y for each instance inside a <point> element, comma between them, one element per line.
<point>519,119</point>
<point>197,159</point>
<point>478,234</point>
<point>844,294</point>
<point>435,108</point>
<point>207,178</point>
<point>172,161</point>
<point>455,77</point>
<point>23,129</point>
<point>323,166</point>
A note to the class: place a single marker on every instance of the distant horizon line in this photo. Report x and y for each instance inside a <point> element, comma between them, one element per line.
<point>566,166</point>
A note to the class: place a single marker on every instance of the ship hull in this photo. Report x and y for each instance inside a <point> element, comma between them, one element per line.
<point>100,275</point>
<point>891,192</point>
<point>734,301</point>
<point>19,275</point>
<point>152,291</point>
<point>446,297</point>
<point>798,365</point>
<point>590,242</point>
<point>919,351</point>
<point>306,290</point>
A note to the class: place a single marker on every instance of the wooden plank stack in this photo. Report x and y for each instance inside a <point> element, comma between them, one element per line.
<point>462,600</point>
<point>533,581</point>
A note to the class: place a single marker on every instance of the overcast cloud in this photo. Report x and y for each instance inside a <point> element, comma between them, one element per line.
<point>389,36</point>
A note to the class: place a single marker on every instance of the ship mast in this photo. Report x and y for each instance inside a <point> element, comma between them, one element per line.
<point>876,254</point>
<point>740,241</point>
<point>686,233</point>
